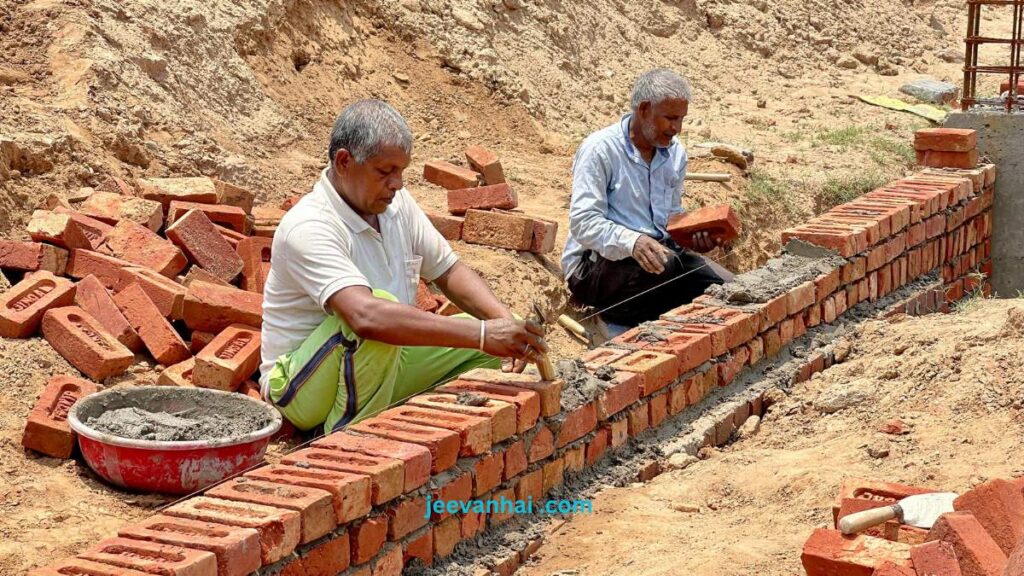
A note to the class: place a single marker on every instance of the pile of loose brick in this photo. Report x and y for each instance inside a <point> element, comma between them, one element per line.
<point>983,537</point>
<point>481,206</point>
<point>354,502</point>
<point>104,278</point>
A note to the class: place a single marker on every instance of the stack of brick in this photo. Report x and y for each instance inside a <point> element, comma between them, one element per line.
<point>984,536</point>
<point>481,206</point>
<point>133,294</point>
<point>526,438</point>
<point>946,147</point>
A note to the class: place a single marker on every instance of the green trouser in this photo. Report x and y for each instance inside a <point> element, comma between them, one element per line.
<point>335,378</point>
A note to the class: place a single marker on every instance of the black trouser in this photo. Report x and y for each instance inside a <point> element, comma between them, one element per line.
<point>600,283</point>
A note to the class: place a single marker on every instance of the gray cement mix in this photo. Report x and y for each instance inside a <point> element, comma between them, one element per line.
<point>175,414</point>
<point>799,263</point>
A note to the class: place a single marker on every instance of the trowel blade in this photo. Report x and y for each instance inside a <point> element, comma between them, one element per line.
<point>922,510</point>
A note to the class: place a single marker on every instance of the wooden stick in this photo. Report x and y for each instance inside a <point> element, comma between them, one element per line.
<point>709,176</point>
<point>572,326</point>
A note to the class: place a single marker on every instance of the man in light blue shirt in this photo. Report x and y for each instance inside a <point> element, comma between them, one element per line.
<point>627,180</point>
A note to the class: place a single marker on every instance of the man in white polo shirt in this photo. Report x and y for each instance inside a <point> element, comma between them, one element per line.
<point>341,337</point>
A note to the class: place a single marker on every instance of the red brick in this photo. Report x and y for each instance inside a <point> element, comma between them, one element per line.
<point>67,229</point>
<point>233,237</point>
<point>935,559</point>
<point>443,444</point>
<point>279,529</point>
<point>598,357</point>
<point>487,472</point>
<point>888,568</point>
<point>800,297</point>
<point>420,547</point>
<point>204,245</point>
<point>502,415</point>
<point>164,190</point>
<point>472,524</point>
<point>449,176</point>
<point>80,339</point>
<point>107,269</point>
<point>167,295</point>
<point>23,305</point>
<point>553,474</point>
<point>139,245</point>
<point>117,186</point>
<point>229,359</point>
<point>498,229</point>
<point>447,535</point>
<point>845,240</point>
<point>389,563</point>
<point>153,557</point>
<point>266,220</point>
<point>230,217</point>
<point>497,196</point>
<point>386,474</point>
<point>503,506</point>
<point>156,332</point>
<point>232,195</point>
<point>618,394</point>
<point>449,226</point>
<point>85,567</point>
<point>597,446</point>
<point>730,367</point>
<point>315,507</point>
<point>179,374</point>
<point>237,549</point>
<point>977,552</point>
<point>255,254</point>
<point>453,485</point>
<point>406,516</point>
<point>540,445</point>
<point>368,537</point>
<point>999,506</point>
<point>351,493</point>
<point>330,556</point>
<point>880,492</point>
<point>545,234</point>
<point>719,221</point>
<point>32,256</point>
<point>474,431</point>
<point>112,208</point>
<point>829,553</point>
<point>946,140</point>
<point>657,370</point>
<point>827,284</point>
<point>212,308</point>
<point>550,391</point>
<point>618,432</point>
<point>527,402</point>
<point>639,418</point>
<point>575,458</point>
<point>677,401</point>
<point>576,424</point>
<point>486,163</point>
<point>91,296</point>
<point>871,227</point>
<point>46,429</point>
<point>849,506</point>
<point>415,458</point>
<point>658,410</point>
<point>755,348</point>
<point>937,159</point>
<point>515,459</point>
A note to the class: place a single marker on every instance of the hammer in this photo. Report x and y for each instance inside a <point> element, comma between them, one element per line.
<point>544,365</point>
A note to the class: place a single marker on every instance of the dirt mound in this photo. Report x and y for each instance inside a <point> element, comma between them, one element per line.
<point>935,403</point>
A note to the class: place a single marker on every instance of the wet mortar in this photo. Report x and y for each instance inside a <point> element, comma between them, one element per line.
<point>799,263</point>
<point>174,414</point>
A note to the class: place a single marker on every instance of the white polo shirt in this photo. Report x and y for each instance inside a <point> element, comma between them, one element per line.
<point>322,246</point>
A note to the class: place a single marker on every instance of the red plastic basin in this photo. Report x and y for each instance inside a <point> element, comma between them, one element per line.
<point>169,467</point>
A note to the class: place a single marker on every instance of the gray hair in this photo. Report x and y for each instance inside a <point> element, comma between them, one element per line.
<point>366,126</point>
<point>658,85</point>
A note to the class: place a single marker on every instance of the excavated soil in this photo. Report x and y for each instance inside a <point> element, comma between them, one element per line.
<point>246,91</point>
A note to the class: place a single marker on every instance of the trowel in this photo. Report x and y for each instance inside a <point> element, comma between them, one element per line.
<point>920,510</point>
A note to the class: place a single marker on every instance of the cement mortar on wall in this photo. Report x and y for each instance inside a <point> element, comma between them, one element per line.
<point>1001,140</point>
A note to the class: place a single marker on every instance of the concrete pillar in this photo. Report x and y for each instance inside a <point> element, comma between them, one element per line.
<point>1001,139</point>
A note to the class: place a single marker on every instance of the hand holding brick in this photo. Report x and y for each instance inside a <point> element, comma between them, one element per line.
<point>719,221</point>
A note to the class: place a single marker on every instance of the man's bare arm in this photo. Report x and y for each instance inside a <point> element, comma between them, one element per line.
<point>374,318</point>
<point>470,293</point>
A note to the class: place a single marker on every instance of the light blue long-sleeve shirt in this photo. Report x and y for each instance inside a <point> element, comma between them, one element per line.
<point>617,196</point>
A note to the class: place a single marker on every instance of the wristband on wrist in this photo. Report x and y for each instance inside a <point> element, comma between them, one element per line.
<point>483,333</point>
